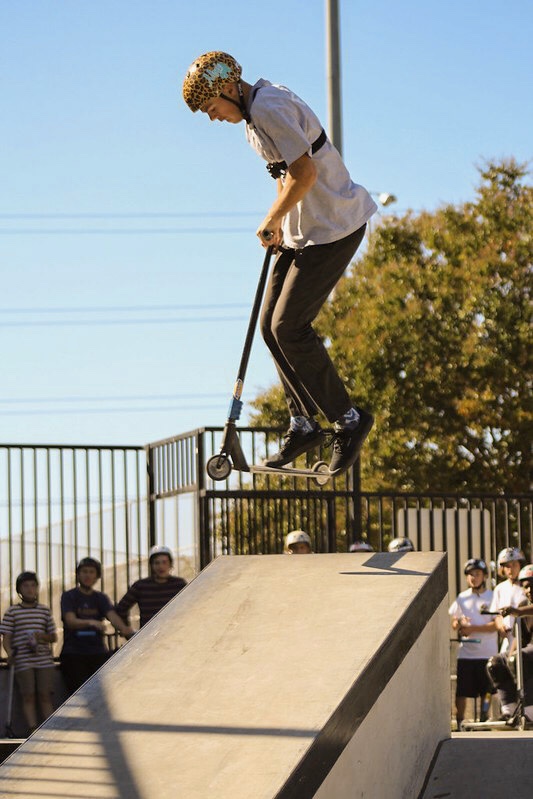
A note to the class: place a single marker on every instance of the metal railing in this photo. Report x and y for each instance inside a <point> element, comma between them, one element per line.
<point>223,520</point>
<point>61,503</point>
<point>251,513</point>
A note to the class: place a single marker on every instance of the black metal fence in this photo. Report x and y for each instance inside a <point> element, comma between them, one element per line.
<point>60,503</point>
<point>247,513</point>
<point>251,513</point>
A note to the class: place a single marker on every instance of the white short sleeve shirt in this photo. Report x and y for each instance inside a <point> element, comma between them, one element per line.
<point>283,128</point>
<point>469,604</point>
<point>506,594</point>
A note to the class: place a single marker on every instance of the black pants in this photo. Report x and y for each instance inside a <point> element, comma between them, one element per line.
<point>504,682</point>
<point>299,285</point>
<point>76,669</point>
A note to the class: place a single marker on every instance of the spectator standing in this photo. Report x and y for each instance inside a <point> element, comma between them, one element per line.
<point>508,593</point>
<point>401,545</point>
<point>152,593</point>
<point>28,631</point>
<point>500,673</point>
<point>361,546</point>
<point>480,639</point>
<point>84,610</point>
<point>298,543</point>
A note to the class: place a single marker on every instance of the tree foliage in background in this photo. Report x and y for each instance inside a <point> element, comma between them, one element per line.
<point>431,330</point>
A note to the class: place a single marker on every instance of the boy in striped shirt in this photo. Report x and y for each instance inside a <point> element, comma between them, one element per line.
<point>28,630</point>
<point>152,593</point>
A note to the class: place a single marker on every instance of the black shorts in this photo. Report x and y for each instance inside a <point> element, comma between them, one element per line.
<point>78,668</point>
<point>472,678</point>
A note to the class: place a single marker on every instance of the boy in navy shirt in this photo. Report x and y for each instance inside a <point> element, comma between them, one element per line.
<point>83,610</point>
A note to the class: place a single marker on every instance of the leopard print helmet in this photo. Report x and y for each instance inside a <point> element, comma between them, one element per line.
<point>207,75</point>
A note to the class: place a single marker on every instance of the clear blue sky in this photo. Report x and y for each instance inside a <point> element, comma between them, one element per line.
<point>118,205</point>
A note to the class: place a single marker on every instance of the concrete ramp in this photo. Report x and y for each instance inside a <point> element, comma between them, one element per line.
<point>268,677</point>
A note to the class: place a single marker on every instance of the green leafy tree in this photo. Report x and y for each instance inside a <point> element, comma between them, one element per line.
<point>431,330</point>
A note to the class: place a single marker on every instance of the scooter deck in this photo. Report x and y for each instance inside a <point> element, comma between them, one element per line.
<point>310,474</point>
<point>473,726</point>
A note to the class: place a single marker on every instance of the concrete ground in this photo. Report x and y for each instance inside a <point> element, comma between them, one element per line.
<point>492,765</point>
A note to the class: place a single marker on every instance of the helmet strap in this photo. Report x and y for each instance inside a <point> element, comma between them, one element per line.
<point>241,105</point>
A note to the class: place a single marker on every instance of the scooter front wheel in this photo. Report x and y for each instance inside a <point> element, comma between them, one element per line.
<point>218,467</point>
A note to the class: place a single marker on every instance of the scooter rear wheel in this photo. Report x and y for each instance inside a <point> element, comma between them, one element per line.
<point>322,473</point>
<point>218,467</point>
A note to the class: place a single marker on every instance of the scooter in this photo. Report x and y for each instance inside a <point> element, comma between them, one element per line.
<point>10,696</point>
<point>231,456</point>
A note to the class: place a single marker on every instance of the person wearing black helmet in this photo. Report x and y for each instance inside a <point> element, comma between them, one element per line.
<point>84,610</point>
<point>316,224</point>
<point>152,593</point>
<point>28,629</point>
<point>479,640</point>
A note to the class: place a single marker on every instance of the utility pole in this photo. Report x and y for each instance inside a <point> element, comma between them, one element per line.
<point>333,73</point>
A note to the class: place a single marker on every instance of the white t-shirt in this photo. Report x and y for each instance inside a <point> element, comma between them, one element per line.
<point>505,595</point>
<point>283,128</point>
<point>470,604</point>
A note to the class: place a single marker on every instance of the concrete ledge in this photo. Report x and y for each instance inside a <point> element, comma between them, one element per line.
<point>255,681</point>
<point>392,749</point>
<point>354,709</point>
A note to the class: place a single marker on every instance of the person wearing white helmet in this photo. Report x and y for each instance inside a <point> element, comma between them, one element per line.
<point>401,545</point>
<point>498,668</point>
<point>316,224</point>
<point>152,593</point>
<point>479,639</point>
<point>298,543</point>
<point>509,592</point>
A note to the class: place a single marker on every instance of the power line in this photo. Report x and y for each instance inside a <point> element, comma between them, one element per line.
<point>106,398</point>
<point>110,409</point>
<point>119,231</point>
<point>133,215</point>
<point>84,411</point>
<point>122,308</point>
<point>119,322</point>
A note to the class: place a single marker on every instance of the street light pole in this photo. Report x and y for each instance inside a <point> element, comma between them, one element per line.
<point>333,73</point>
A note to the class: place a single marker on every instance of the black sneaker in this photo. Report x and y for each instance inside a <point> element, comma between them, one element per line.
<point>348,441</point>
<point>294,444</point>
